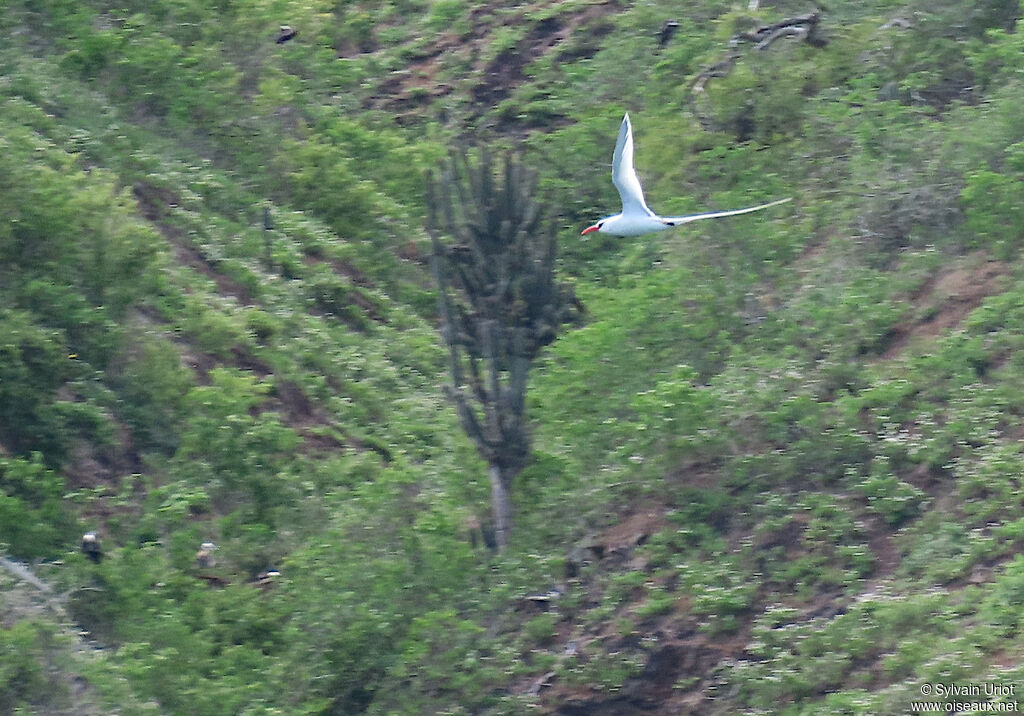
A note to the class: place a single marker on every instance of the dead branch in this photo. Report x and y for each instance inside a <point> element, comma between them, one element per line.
<point>803,27</point>
<point>25,574</point>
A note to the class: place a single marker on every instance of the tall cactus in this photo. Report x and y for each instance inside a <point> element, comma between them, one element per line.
<point>499,302</point>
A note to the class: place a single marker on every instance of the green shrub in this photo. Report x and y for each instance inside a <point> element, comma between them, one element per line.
<point>24,681</point>
<point>888,496</point>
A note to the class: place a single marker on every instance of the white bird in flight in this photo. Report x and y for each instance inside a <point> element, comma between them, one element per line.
<point>636,219</point>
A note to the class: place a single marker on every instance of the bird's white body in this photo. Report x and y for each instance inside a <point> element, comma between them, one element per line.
<point>636,219</point>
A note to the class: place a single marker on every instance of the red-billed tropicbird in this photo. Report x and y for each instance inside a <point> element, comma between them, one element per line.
<point>636,218</point>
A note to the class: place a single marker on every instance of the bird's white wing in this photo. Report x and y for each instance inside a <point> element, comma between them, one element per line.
<point>624,176</point>
<point>677,220</point>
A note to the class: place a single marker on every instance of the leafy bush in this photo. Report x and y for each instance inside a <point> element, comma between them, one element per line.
<point>24,682</point>
<point>894,500</point>
<point>36,522</point>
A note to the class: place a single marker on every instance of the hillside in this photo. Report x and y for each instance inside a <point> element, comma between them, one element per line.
<point>775,470</point>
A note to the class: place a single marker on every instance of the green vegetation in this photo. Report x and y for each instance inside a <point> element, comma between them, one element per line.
<point>500,305</point>
<point>777,469</point>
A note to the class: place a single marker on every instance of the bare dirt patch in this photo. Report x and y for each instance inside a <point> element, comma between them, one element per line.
<point>489,78</point>
<point>944,301</point>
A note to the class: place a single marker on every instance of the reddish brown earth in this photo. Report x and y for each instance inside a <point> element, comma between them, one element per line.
<point>572,33</point>
<point>945,300</point>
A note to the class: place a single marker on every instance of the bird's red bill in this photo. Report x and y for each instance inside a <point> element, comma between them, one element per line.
<point>589,229</point>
